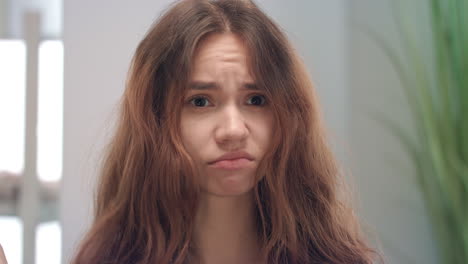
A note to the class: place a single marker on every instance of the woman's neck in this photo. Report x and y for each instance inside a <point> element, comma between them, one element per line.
<point>225,229</point>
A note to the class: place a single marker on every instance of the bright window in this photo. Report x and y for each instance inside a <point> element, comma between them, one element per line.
<point>49,132</point>
<point>11,237</point>
<point>48,243</point>
<point>50,113</point>
<point>12,105</point>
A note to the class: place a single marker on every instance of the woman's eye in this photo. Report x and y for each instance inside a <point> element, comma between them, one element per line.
<point>202,101</point>
<point>199,101</point>
<point>258,100</point>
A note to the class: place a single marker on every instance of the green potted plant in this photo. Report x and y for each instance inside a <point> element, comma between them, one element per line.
<point>437,92</point>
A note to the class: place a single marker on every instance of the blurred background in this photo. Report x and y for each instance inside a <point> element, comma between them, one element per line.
<point>63,66</point>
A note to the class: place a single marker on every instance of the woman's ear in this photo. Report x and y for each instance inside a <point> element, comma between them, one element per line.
<point>2,256</point>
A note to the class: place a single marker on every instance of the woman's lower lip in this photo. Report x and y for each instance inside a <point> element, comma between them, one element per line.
<point>234,164</point>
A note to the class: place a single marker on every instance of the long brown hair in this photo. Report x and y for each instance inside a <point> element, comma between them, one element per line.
<point>147,194</point>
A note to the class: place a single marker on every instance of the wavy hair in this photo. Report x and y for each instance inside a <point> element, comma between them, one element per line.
<point>148,191</point>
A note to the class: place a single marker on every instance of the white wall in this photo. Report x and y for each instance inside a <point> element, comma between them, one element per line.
<point>318,30</point>
<point>3,18</point>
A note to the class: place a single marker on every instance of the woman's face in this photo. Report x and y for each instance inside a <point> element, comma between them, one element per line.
<point>223,113</point>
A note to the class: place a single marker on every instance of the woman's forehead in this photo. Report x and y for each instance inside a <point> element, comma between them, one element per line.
<point>221,59</point>
<point>225,49</point>
<point>220,42</point>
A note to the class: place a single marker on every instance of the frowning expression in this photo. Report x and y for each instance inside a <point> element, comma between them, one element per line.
<point>224,112</point>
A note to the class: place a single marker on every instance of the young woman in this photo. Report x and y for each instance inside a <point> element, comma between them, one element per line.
<point>220,155</point>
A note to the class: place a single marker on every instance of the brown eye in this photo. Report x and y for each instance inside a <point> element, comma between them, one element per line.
<point>199,101</point>
<point>258,100</point>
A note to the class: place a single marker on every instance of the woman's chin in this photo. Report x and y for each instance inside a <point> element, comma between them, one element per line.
<point>229,191</point>
<point>235,184</point>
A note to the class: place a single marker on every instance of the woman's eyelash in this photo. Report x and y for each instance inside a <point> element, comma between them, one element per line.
<point>197,97</point>
<point>191,100</point>
<point>264,101</point>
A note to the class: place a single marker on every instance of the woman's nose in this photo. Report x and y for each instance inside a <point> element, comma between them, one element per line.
<point>232,126</point>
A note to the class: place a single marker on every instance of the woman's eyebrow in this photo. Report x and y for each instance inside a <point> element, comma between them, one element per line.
<point>199,85</point>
